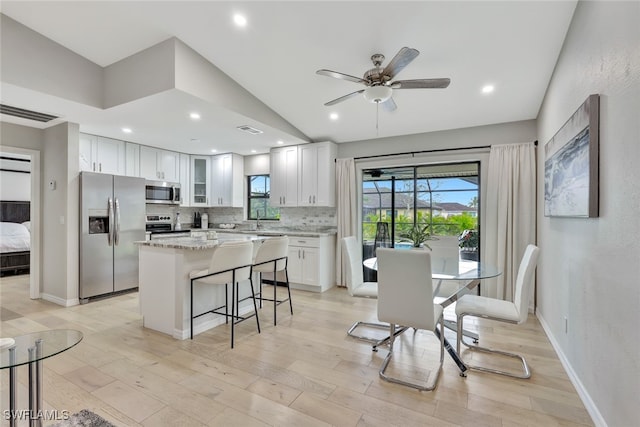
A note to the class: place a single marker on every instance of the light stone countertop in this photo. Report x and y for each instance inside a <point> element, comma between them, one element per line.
<point>198,244</point>
<point>281,232</point>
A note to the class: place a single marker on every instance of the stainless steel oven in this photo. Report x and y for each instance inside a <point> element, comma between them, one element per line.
<point>156,223</point>
<point>162,192</point>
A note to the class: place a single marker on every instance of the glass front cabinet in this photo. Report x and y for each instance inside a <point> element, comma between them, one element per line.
<point>200,180</point>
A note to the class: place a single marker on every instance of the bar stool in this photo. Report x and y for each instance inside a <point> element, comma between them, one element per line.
<point>271,257</point>
<point>230,264</point>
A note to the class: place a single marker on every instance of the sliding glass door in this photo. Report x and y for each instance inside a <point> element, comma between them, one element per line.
<point>444,198</point>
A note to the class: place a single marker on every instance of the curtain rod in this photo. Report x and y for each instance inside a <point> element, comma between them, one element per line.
<point>413,153</point>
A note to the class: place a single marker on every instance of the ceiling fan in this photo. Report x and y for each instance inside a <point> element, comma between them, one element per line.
<point>378,80</point>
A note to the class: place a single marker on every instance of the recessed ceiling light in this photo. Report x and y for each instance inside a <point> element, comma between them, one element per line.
<point>194,116</point>
<point>240,20</point>
<point>126,130</point>
<point>253,151</point>
<point>334,116</point>
<point>214,151</point>
<point>488,89</point>
<point>280,142</point>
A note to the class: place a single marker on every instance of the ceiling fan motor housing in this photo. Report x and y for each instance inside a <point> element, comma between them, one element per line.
<point>377,81</point>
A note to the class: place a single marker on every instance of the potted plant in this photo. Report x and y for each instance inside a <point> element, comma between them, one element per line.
<point>468,242</point>
<point>418,236</point>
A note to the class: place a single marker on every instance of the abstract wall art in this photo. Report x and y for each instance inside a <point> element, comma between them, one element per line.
<point>571,165</point>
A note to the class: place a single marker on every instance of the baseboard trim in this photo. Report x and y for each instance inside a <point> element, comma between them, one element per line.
<point>60,301</point>
<point>591,407</point>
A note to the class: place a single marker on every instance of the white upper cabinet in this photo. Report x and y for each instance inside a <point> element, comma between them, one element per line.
<point>99,154</point>
<point>316,172</point>
<point>200,180</point>
<point>132,159</point>
<point>227,185</point>
<point>156,164</point>
<point>185,180</point>
<point>284,176</point>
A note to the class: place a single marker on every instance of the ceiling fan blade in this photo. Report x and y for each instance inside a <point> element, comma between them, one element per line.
<point>389,105</point>
<point>341,76</point>
<point>401,60</point>
<point>421,84</point>
<point>344,98</point>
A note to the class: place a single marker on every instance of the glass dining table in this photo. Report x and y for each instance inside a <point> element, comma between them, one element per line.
<point>467,274</point>
<point>32,349</point>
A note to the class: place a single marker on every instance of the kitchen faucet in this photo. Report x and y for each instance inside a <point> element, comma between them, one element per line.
<point>258,220</point>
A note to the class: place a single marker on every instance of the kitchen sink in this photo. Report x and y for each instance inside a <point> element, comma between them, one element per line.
<point>270,233</point>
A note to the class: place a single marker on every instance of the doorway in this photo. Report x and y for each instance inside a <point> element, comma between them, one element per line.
<point>35,221</point>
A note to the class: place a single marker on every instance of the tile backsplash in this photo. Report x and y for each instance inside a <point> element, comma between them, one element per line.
<point>289,217</point>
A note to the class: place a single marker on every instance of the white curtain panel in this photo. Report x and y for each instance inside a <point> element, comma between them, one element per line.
<point>510,214</point>
<point>346,211</point>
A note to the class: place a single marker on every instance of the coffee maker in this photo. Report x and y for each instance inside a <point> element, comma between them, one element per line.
<point>197,221</point>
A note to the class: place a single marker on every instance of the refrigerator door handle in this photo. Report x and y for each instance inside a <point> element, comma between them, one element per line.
<point>111,220</point>
<point>116,235</point>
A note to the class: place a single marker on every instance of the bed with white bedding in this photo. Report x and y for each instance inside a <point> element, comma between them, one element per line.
<point>15,237</point>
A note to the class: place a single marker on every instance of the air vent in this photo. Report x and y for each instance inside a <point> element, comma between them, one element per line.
<point>249,129</point>
<point>26,114</point>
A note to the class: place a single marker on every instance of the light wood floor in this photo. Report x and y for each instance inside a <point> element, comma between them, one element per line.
<point>304,372</point>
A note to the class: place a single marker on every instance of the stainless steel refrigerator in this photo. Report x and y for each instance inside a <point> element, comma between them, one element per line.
<point>112,212</point>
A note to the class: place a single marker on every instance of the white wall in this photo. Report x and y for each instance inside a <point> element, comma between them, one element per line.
<point>14,184</point>
<point>588,268</point>
<point>256,165</point>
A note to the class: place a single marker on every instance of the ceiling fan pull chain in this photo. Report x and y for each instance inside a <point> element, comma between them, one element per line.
<point>377,112</point>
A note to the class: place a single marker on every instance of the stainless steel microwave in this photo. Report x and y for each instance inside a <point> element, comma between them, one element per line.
<point>161,192</point>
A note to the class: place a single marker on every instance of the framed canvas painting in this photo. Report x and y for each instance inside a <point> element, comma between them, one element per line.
<point>571,165</point>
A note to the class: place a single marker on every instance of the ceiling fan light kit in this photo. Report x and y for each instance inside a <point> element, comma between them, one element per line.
<point>377,94</point>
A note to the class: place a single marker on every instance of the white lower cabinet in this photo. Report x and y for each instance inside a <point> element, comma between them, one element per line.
<point>311,263</point>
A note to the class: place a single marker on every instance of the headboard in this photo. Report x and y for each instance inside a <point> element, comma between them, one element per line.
<point>11,211</point>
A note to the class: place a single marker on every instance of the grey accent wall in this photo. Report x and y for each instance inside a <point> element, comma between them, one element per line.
<point>21,136</point>
<point>33,61</point>
<point>60,216</point>
<point>503,133</point>
<point>199,77</point>
<point>588,268</point>
<point>145,73</point>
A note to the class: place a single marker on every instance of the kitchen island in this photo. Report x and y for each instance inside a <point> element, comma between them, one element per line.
<point>164,284</point>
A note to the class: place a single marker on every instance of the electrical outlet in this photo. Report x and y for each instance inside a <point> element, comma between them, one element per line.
<point>566,324</point>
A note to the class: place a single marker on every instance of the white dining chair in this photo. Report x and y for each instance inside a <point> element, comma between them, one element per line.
<point>445,259</point>
<point>515,312</point>
<point>405,298</point>
<point>230,264</point>
<point>357,287</point>
<point>271,257</point>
